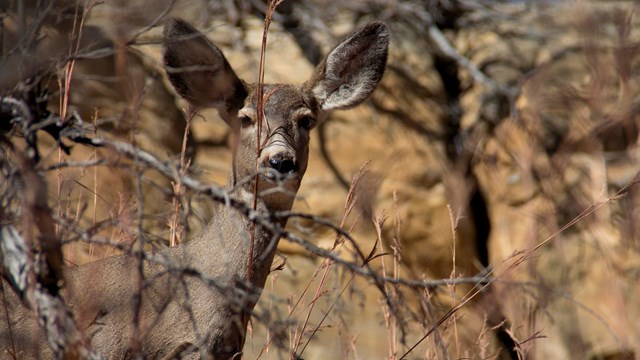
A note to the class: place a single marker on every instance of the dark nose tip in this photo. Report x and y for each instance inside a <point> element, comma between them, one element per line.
<point>282,165</point>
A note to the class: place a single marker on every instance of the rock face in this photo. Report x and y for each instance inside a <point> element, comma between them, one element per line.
<point>557,164</point>
<point>537,184</point>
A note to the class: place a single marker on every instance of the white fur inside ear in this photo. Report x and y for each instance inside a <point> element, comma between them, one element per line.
<point>335,94</point>
<point>353,69</point>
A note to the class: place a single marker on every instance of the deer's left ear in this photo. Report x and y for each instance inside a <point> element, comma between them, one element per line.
<point>352,70</point>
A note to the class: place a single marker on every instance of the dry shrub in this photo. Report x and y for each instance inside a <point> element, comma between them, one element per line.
<point>501,217</point>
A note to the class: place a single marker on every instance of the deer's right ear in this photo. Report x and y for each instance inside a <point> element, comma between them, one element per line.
<point>199,71</point>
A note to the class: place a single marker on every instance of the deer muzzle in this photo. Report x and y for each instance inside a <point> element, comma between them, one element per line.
<point>283,164</point>
<point>278,163</point>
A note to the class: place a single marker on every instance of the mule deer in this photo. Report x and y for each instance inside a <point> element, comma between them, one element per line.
<point>181,316</point>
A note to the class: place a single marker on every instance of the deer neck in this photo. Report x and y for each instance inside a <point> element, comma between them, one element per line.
<point>225,243</point>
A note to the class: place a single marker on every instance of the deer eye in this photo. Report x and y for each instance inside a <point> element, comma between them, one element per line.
<point>245,121</point>
<point>306,122</point>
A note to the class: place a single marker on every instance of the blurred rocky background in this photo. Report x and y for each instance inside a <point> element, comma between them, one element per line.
<point>500,152</point>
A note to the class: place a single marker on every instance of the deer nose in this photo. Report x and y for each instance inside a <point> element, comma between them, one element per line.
<point>282,164</point>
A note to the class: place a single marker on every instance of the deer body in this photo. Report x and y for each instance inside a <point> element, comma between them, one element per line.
<point>206,318</point>
<point>182,316</point>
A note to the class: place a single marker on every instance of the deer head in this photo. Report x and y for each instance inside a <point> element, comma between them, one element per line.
<point>202,75</point>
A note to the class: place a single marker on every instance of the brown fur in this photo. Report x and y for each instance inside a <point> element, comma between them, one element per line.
<point>181,316</point>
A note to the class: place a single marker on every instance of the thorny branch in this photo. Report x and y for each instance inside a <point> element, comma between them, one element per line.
<point>266,220</point>
<point>68,339</point>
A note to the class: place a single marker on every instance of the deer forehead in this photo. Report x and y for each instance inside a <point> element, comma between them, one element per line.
<point>282,101</point>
